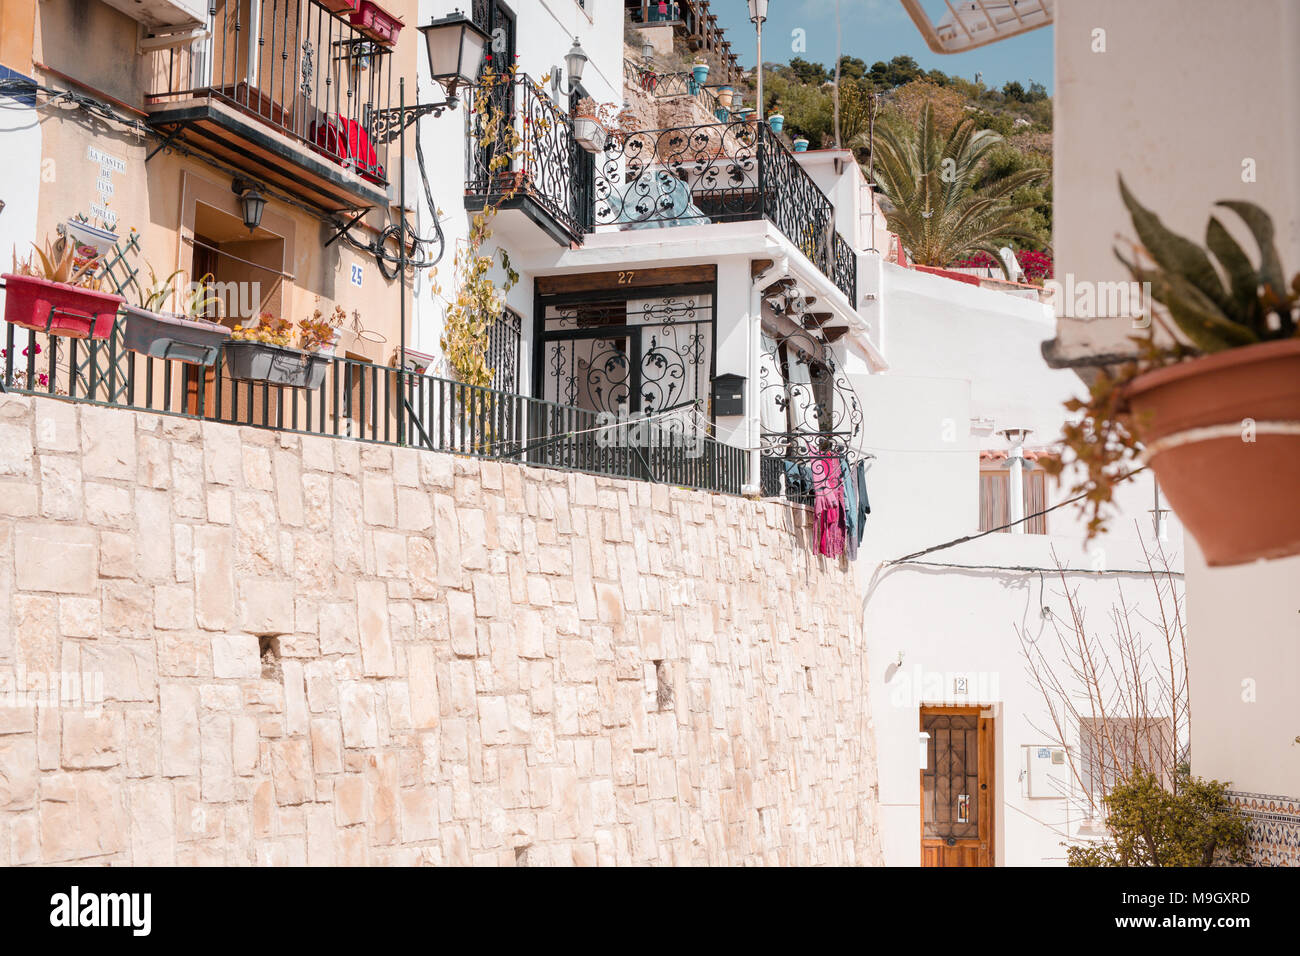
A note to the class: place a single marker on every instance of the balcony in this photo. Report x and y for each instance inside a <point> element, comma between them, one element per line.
<point>722,172</point>
<point>531,163</point>
<point>284,91</point>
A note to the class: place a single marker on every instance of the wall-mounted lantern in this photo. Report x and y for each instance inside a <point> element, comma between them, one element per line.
<point>251,201</point>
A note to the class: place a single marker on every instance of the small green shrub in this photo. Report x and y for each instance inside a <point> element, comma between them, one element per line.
<point>1148,824</point>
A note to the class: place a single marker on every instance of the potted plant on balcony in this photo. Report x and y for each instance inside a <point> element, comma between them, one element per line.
<point>725,95</point>
<point>54,292</point>
<point>592,124</point>
<point>699,73</point>
<point>376,22</point>
<point>776,121</point>
<point>800,144</point>
<point>187,336</point>
<point>1218,419</point>
<point>340,6</point>
<point>265,352</point>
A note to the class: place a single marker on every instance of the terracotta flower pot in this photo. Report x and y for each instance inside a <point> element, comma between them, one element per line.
<point>1236,496</point>
<point>59,309</point>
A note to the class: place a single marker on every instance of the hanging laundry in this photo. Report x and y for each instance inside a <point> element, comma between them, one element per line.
<point>852,525</point>
<point>829,506</point>
<point>863,504</point>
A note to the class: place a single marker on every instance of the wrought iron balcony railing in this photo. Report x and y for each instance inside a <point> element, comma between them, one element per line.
<point>300,70</point>
<point>721,172</point>
<point>362,401</point>
<point>521,151</point>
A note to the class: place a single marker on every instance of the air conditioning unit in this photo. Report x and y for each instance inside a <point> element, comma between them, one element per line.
<point>167,15</point>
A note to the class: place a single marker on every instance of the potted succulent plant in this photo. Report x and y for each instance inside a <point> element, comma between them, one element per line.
<point>1217,415</point>
<point>187,336</point>
<point>54,292</point>
<point>265,352</point>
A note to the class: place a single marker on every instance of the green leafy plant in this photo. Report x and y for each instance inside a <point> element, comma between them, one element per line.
<point>1217,299</point>
<point>931,181</point>
<point>1191,823</point>
<point>196,303</point>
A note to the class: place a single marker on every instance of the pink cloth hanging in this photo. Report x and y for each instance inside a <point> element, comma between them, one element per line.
<point>828,506</point>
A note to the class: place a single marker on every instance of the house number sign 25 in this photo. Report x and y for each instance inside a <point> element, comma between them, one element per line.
<point>356,276</point>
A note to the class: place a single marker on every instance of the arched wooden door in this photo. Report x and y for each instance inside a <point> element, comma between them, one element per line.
<point>957,788</point>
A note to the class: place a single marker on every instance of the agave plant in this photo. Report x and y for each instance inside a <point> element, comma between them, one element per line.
<point>57,262</point>
<point>1218,299</point>
<point>1237,303</point>
<point>153,297</point>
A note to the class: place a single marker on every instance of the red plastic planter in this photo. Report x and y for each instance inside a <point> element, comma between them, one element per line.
<point>340,6</point>
<point>376,23</point>
<point>59,309</point>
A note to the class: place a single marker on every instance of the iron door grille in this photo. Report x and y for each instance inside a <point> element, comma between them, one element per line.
<point>950,781</point>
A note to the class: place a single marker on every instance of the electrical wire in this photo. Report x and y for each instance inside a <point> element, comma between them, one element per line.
<point>908,558</point>
<point>1145,572</point>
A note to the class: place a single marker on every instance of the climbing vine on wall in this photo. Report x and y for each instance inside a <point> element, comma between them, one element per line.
<point>478,300</point>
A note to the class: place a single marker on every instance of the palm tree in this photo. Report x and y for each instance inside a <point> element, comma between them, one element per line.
<point>930,181</point>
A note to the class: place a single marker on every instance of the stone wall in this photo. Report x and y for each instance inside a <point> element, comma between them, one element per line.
<point>300,650</point>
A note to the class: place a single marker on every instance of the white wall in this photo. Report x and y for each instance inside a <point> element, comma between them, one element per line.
<point>1194,102</point>
<point>957,353</point>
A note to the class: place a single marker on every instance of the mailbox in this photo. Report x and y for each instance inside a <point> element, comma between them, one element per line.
<point>729,395</point>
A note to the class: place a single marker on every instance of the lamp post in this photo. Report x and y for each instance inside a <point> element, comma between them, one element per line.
<point>455,46</point>
<point>757,16</point>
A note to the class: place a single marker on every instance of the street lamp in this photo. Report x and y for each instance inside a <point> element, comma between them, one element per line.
<point>455,46</point>
<point>757,16</point>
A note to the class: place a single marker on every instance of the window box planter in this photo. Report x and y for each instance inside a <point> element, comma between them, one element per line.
<point>1236,497</point>
<point>275,365</point>
<point>167,336</point>
<point>376,23</point>
<point>59,309</point>
<point>590,134</point>
<point>84,234</point>
<point>340,6</point>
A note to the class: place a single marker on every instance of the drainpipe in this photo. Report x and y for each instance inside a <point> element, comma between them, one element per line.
<point>1016,491</point>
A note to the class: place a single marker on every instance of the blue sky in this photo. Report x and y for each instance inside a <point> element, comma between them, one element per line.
<point>879,30</point>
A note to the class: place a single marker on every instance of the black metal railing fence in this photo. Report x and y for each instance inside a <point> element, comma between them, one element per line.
<point>360,400</point>
<point>294,65</point>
